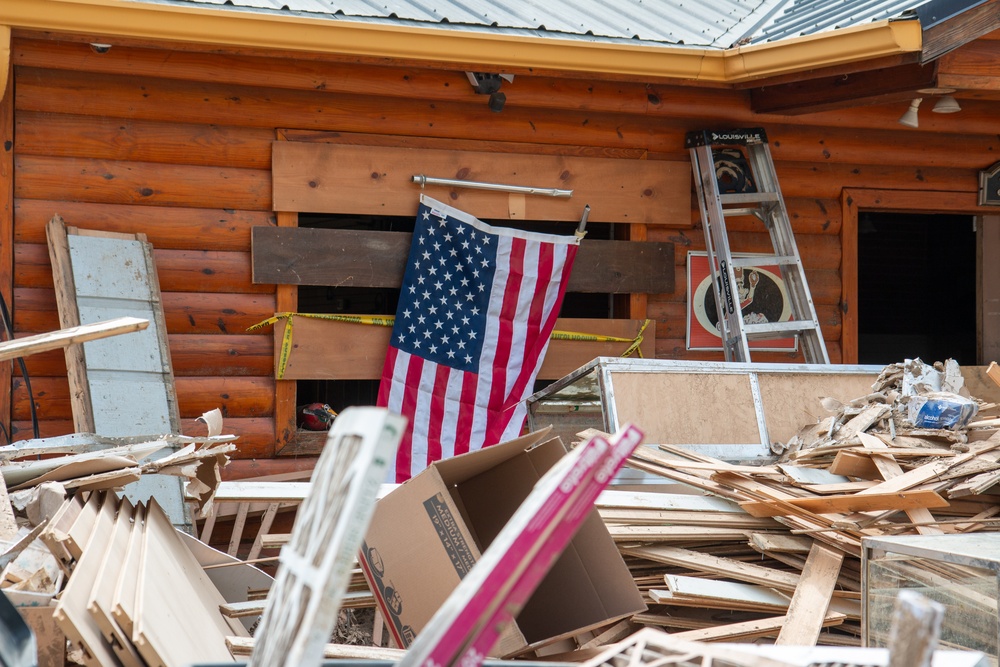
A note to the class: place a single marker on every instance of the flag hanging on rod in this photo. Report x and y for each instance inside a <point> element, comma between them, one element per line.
<point>476,309</point>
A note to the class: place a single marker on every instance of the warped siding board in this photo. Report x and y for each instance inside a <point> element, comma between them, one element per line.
<point>166,227</point>
<point>361,352</point>
<point>236,397</point>
<point>184,312</point>
<point>108,181</point>
<point>191,355</point>
<point>368,180</point>
<point>179,270</point>
<point>125,139</point>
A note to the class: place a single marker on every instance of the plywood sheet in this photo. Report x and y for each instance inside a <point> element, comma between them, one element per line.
<point>688,408</point>
<point>378,180</point>
<point>359,352</point>
<point>791,400</point>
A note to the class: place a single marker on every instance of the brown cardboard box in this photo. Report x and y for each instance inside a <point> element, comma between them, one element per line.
<point>50,638</point>
<point>426,534</point>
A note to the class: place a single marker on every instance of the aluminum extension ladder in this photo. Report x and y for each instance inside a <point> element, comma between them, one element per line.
<point>734,176</point>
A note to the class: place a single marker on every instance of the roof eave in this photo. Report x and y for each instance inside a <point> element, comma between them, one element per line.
<point>501,51</point>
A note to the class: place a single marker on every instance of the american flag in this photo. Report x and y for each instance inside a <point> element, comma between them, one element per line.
<point>477,306</point>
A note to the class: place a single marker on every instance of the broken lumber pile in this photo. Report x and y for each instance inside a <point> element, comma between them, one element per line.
<point>773,551</point>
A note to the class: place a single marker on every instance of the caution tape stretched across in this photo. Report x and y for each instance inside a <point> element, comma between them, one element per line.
<point>389,320</point>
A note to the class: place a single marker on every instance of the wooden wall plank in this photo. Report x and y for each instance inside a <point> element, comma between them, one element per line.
<point>286,300</point>
<point>179,270</point>
<point>166,227</point>
<point>305,256</point>
<point>185,312</point>
<point>6,228</point>
<point>361,353</point>
<point>105,181</point>
<point>221,355</point>
<point>110,138</point>
<point>370,180</point>
<point>235,396</point>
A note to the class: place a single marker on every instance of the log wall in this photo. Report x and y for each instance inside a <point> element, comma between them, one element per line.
<point>177,145</point>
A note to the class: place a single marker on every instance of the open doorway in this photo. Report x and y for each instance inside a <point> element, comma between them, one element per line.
<point>917,291</point>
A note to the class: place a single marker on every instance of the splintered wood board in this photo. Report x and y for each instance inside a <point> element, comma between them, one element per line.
<point>123,598</point>
<point>853,502</point>
<point>71,610</point>
<point>105,580</point>
<point>177,619</point>
<point>688,408</point>
<point>793,399</point>
<point>28,345</point>
<point>808,609</point>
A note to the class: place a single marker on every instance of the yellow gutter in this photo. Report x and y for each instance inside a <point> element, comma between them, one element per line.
<point>203,24</point>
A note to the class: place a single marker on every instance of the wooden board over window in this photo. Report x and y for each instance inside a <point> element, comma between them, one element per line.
<point>378,180</point>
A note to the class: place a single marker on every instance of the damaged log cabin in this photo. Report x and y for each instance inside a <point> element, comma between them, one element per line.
<point>223,151</point>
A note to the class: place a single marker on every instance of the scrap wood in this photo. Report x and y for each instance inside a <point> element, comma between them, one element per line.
<point>808,609</point>
<point>848,503</point>
<point>745,630</point>
<point>244,646</point>
<point>54,340</point>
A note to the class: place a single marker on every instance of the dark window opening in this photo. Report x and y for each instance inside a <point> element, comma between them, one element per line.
<point>916,288</point>
<point>340,394</point>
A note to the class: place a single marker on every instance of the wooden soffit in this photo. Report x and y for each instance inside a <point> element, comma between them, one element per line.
<point>378,180</point>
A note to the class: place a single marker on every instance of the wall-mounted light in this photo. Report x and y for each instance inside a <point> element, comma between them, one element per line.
<point>100,48</point>
<point>486,83</point>
<point>947,104</point>
<point>910,117</point>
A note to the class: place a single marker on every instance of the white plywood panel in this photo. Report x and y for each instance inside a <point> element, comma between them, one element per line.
<point>123,406</point>
<point>109,267</point>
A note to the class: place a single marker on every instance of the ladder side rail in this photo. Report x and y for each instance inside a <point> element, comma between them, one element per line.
<point>734,340</point>
<point>783,241</point>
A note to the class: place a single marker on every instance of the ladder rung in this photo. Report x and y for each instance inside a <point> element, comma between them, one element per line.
<point>777,329</point>
<point>764,260</point>
<point>749,198</point>
<point>742,211</point>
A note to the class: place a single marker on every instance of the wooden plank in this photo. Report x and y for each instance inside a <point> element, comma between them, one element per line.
<point>346,258</point>
<point>729,568</point>
<point>7,226</point>
<point>329,178</point>
<point>747,630</point>
<point>852,464</point>
<point>123,597</point>
<point>360,351</point>
<point>100,604</point>
<point>883,459</point>
<point>177,619</point>
<point>855,502</point>
<point>28,345</point>
<point>71,609</point>
<point>808,609</point>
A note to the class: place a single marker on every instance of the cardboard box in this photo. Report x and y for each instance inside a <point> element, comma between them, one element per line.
<point>429,532</point>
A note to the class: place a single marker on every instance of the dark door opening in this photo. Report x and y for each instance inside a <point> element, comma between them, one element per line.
<point>916,288</point>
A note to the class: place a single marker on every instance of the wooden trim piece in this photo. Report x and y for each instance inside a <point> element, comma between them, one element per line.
<point>988,297</point>
<point>377,180</point>
<point>807,611</point>
<point>6,224</point>
<point>347,258</point>
<point>123,598</point>
<point>285,394</point>
<point>961,29</point>
<point>849,278</point>
<point>54,340</point>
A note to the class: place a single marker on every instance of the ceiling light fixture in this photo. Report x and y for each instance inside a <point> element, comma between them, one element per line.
<point>910,117</point>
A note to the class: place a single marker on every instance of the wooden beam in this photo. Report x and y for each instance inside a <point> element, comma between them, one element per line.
<point>22,347</point>
<point>845,90</point>
<point>853,502</point>
<point>346,258</point>
<point>6,225</point>
<point>952,33</point>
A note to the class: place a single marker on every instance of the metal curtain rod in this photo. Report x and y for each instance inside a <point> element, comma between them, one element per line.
<point>497,187</point>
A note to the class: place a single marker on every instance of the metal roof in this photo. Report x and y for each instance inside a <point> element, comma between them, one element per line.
<point>697,23</point>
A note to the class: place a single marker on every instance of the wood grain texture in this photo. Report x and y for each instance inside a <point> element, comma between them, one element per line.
<point>7,226</point>
<point>378,181</point>
<point>808,609</point>
<point>302,256</point>
<point>361,353</point>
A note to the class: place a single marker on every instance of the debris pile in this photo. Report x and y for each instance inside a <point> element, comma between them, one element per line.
<point>774,550</point>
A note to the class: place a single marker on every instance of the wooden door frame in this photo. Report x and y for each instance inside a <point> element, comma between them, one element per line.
<point>854,200</point>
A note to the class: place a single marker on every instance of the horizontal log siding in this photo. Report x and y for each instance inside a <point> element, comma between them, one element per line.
<point>177,145</point>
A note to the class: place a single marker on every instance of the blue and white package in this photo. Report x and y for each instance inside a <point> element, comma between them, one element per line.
<point>941,409</point>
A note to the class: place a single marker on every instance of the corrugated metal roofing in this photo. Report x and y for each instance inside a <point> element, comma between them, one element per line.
<point>697,23</point>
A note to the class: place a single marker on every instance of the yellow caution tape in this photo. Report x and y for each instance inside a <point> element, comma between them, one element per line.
<point>389,320</point>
